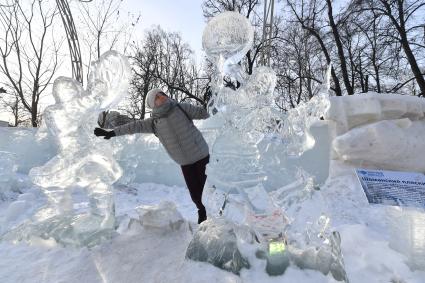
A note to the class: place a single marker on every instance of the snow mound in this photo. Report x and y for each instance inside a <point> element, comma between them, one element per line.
<point>391,126</point>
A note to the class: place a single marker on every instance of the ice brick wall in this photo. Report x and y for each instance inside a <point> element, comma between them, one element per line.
<point>382,131</point>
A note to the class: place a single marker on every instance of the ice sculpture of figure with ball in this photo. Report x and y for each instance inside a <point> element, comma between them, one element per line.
<point>83,163</point>
<point>234,185</point>
<point>241,118</point>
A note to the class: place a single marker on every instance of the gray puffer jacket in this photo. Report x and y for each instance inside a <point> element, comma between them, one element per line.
<point>177,133</point>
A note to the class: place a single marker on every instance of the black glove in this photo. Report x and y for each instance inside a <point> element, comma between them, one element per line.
<point>103,133</point>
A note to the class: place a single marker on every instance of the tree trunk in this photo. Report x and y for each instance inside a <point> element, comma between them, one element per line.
<point>340,49</point>
<point>413,63</point>
<point>313,32</point>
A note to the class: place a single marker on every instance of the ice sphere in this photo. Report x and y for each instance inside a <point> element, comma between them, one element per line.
<point>163,216</point>
<point>228,35</point>
<point>216,242</point>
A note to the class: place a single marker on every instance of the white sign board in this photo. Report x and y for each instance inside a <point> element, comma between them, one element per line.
<point>393,187</point>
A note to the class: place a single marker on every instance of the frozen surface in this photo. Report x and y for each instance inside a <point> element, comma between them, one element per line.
<point>152,255</point>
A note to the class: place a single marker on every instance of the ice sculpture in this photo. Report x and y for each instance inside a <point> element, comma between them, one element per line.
<point>235,174</point>
<point>234,167</point>
<point>244,117</point>
<point>216,242</point>
<point>301,118</point>
<point>83,163</point>
<point>226,40</point>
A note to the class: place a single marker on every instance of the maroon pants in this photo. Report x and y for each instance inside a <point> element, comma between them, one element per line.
<point>194,175</point>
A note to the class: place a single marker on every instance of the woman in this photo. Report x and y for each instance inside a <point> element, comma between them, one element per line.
<point>172,123</point>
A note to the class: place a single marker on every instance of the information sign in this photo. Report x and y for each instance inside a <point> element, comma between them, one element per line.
<point>393,187</point>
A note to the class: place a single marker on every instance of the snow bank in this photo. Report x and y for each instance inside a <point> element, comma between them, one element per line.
<point>390,126</point>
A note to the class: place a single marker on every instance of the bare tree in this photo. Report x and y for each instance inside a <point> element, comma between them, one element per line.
<point>29,58</point>
<point>13,106</point>
<point>401,15</point>
<point>340,48</point>
<point>163,60</point>
<point>105,30</point>
<point>310,17</point>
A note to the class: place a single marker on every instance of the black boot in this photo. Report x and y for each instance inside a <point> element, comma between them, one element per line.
<point>202,215</point>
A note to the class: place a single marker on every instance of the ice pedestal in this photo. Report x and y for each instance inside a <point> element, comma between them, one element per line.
<point>216,242</point>
<point>407,234</point>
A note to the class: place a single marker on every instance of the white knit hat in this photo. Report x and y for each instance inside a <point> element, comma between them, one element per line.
<point>150,98</point>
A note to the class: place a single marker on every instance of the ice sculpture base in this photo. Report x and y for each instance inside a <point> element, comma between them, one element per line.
<point>216,242</point>
<point>83,230</point>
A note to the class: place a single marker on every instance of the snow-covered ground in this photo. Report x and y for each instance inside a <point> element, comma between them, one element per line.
<point>139,254</point>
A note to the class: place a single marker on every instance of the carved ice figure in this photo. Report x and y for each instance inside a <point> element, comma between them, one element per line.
<point>83,162</point>
<point>234,173</point>
<point>242,116</point>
